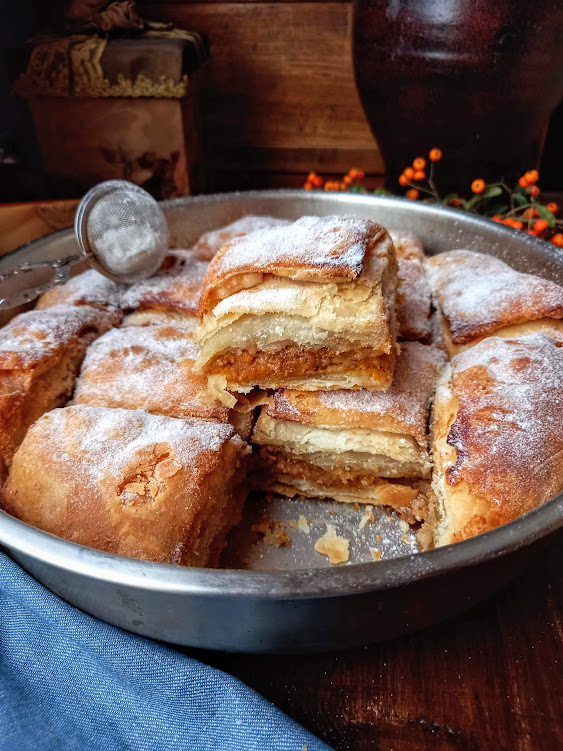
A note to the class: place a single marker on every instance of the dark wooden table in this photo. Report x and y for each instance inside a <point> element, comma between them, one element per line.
<point>488,680</point>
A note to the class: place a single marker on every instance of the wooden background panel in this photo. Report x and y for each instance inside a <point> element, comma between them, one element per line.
<point>279,94</point>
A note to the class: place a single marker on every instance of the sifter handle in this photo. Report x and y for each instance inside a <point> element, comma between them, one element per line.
<point>61,268</point>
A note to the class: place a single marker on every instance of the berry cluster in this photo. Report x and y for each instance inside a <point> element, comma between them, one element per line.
<point>517,207</point>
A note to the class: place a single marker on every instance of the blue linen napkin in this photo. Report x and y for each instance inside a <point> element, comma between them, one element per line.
<point>69,682</point>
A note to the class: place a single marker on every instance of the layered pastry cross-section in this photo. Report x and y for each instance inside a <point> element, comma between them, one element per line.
<point>210,242</point>
<point>478,295</point>
<point>352,446</point>
<point>151,368</point>
<point>498,435</point>
<point>40,354</point>
<point>131,483</point>
<point>169,297</point>
<point>308,306</point>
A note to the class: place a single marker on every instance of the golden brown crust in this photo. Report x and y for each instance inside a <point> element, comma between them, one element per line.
<point>88,288</point>
<point>402,409</point>
<point>414,309</point>
<point>40,354</point>
<point>147,368</point>
<point>314,249</point>
<point>478,293</point>
<point>498,434</point>
<point>177,288</point>
<point>130,483</point>
<point>407,245</point>
<point>210,242</point>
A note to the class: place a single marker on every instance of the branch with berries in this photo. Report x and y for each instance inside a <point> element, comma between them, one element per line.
<point>519,207</point>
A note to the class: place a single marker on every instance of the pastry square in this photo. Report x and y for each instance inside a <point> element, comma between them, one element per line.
<point>88,288</point>
<point>131,483</point>
<point>151,368</point>
<point>407,245</point>
<point>478,295</point>
<point>414,304</point>
<point>498,435</point>
<point>169,297</point>
<point>40,355</point>
<point>210,242</point>
<point>356,446</point>
<point>308,306</point>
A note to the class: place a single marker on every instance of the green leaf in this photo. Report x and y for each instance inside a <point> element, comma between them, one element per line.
<point>472,201</point>
<point>545,214</point>
<point>521,199</point>
<point>492,191</point>
<point>449,198</point>
<point>378,192</point>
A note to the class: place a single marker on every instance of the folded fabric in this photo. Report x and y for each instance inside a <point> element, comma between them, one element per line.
<point>69,682</point>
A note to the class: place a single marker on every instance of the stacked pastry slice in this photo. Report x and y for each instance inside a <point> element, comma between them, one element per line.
<point>308,306</point>
<point>353,446</point>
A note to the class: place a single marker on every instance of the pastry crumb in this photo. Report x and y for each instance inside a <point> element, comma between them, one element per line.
<point>403,526</point>
<point>375,554</point>
<point>367,517</point>
<point>278,539</point>
<point>303,524</point>
<point>292,523</point>
<point>378,538</point>
<point>336,548</point>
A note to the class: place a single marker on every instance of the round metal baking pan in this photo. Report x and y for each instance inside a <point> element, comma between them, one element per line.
<point>310,608</point>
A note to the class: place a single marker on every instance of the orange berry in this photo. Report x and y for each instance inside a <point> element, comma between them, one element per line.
<point>532,232</point>
<point>557,240</point>
<point>403,180</point>
<point>508,221</point>
<point>419,175</point>
<point>522,182</point>
<point>347,180</point>
<point>435,155</point>
<point>361,174</point>
<point>412,194</point>
<point>531,213</point>
<point>532,177</point>
<point>553,207</point>
<point>419,163</point>
<point>517,225</point>
<point>308,186</point>
<point>409,173</point>
<point>478,186</point>
<point>541,225</point>
<point>353,173</point>
<point>318,182</point>
<point>534,191</point>
<point>343,186</point>
<point>497,218</point>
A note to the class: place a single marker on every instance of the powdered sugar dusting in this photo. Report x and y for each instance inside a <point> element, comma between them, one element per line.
<point>209,243</point>
<point>30,337</point>
<point>112,440</point>
<point>508,431</point>
<point>478,293</point>
<point>413,302</point>
<point>407,245</point>
<point>149,368</point>
<point>407,401</point>
<point>88,288</point>
<point>322,242</point>
<point>177,287</point>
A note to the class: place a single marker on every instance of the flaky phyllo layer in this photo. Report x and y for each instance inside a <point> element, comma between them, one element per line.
<point>349,324</point>
<point>314,300</point>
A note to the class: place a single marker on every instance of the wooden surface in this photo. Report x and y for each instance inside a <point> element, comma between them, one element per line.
<point>279,95</point>
<point>488,680</point>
